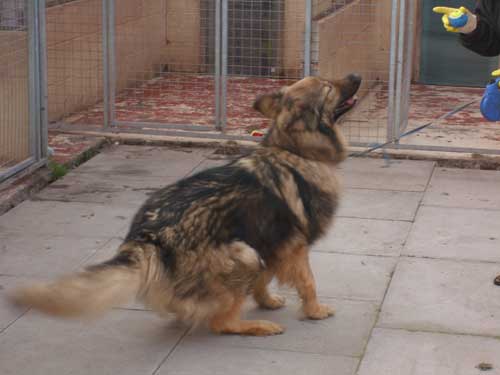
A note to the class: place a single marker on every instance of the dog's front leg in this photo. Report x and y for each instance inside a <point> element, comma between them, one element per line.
<point>303,280</point>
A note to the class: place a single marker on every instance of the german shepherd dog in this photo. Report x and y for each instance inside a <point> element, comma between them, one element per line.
<point>199,247</point>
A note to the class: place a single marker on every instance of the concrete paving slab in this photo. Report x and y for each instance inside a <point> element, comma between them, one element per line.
<point>105,253</point>
<point>378,174</point>
<point>443,296</point>
<point>351,276</point>
<point>124,342</point>
<point>23,253</point>
<point>346,333</point>
<point>464,188</point>
<point>455,233</point>
<point>364,236</point>
<point>115,190</point>
<point>202,359</point>
<point>379,204</point>
<point>9,313</point>
<point>67,219</point>
<point>139,162</point>
<point>211,162</point>
<point>415,353</point>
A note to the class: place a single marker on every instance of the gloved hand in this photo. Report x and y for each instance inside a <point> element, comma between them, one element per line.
<point>457,20</point>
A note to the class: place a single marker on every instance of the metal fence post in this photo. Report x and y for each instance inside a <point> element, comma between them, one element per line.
<point>33,75</point>
<point>392,72</point>
<point>105,62</point>
<point>307,38</point>
<point>224,59</point>
<point>400,69</point>
<point>111,61</point>
<point>408,64</point>
<point>217,63</point>
<point>42,83</point>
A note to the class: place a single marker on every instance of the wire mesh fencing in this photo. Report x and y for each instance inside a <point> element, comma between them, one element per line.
<point>14,85</point>
<point>74,60</point>
<point>165,64</point>
<point>198,65</point>
<point>355,36</point>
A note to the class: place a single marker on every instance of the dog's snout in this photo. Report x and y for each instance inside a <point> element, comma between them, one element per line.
<point>355,78</point>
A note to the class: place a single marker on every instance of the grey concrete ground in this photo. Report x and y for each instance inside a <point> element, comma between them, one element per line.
<point>408,265</point>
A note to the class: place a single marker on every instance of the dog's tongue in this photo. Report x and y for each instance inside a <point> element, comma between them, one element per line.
<point>350,101</point>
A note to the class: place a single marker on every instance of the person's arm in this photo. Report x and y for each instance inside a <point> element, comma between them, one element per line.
<point>485,40</point>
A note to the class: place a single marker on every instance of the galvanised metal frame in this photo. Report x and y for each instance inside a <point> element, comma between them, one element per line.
<point>402,37</point>
<point>220,77</point>
<point>307,38</point>
<point>391,118</point>
<point>37,81</point>
<point>108,61</point>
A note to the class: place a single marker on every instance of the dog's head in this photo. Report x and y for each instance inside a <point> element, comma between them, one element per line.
<point>304,116</point>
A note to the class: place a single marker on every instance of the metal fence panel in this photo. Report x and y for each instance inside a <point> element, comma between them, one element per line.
<point>20,87</point>
<point>265,51</point>
<point>355,36</point>
<point>165,72</point>
<point>74,62</point>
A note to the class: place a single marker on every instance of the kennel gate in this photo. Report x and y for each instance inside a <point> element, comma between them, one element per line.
<point>218,56</point>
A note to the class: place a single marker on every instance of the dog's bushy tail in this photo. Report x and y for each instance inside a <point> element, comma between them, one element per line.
<point>92,292</point>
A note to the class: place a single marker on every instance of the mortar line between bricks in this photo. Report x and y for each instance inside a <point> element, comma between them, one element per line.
<point>421,201</point>
<point>360,254</point>
<point>170,352</point>
<point>373,218</point>
<point>377,317</point>
<point>87,258</point>
<point>15,320</point>
<point>194,168</point>
<point>295,351</point>
<point>384,189</point>
<point>438,332</point>
<point>288,293</point>
<point>453,260</point>
<point>462,208</point>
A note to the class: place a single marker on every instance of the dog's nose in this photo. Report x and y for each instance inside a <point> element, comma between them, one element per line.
<point>354,78</point>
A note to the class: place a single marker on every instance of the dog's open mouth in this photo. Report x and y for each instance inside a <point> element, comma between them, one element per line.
<point>344,107</point>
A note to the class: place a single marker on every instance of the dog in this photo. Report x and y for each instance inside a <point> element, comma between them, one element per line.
<point>199,247</point>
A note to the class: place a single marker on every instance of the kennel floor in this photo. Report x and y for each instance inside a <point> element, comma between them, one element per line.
<point>189,99</point>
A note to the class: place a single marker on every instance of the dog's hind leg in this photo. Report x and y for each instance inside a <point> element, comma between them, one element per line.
<point>228,320</point>
<point>261,292</point>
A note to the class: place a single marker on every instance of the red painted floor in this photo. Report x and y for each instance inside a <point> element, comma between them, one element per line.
<point>188,99</point>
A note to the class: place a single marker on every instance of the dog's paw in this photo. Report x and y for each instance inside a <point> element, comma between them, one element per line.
<point>319,311</point>
<point>264,328</point>
<point>272,302</point>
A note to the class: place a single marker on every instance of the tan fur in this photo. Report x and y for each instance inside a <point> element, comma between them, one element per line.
<point>92,292</point>
<point>227,320</point>
<point>87,294</point>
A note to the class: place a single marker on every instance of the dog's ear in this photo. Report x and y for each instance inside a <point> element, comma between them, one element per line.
<point>269,104</point>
